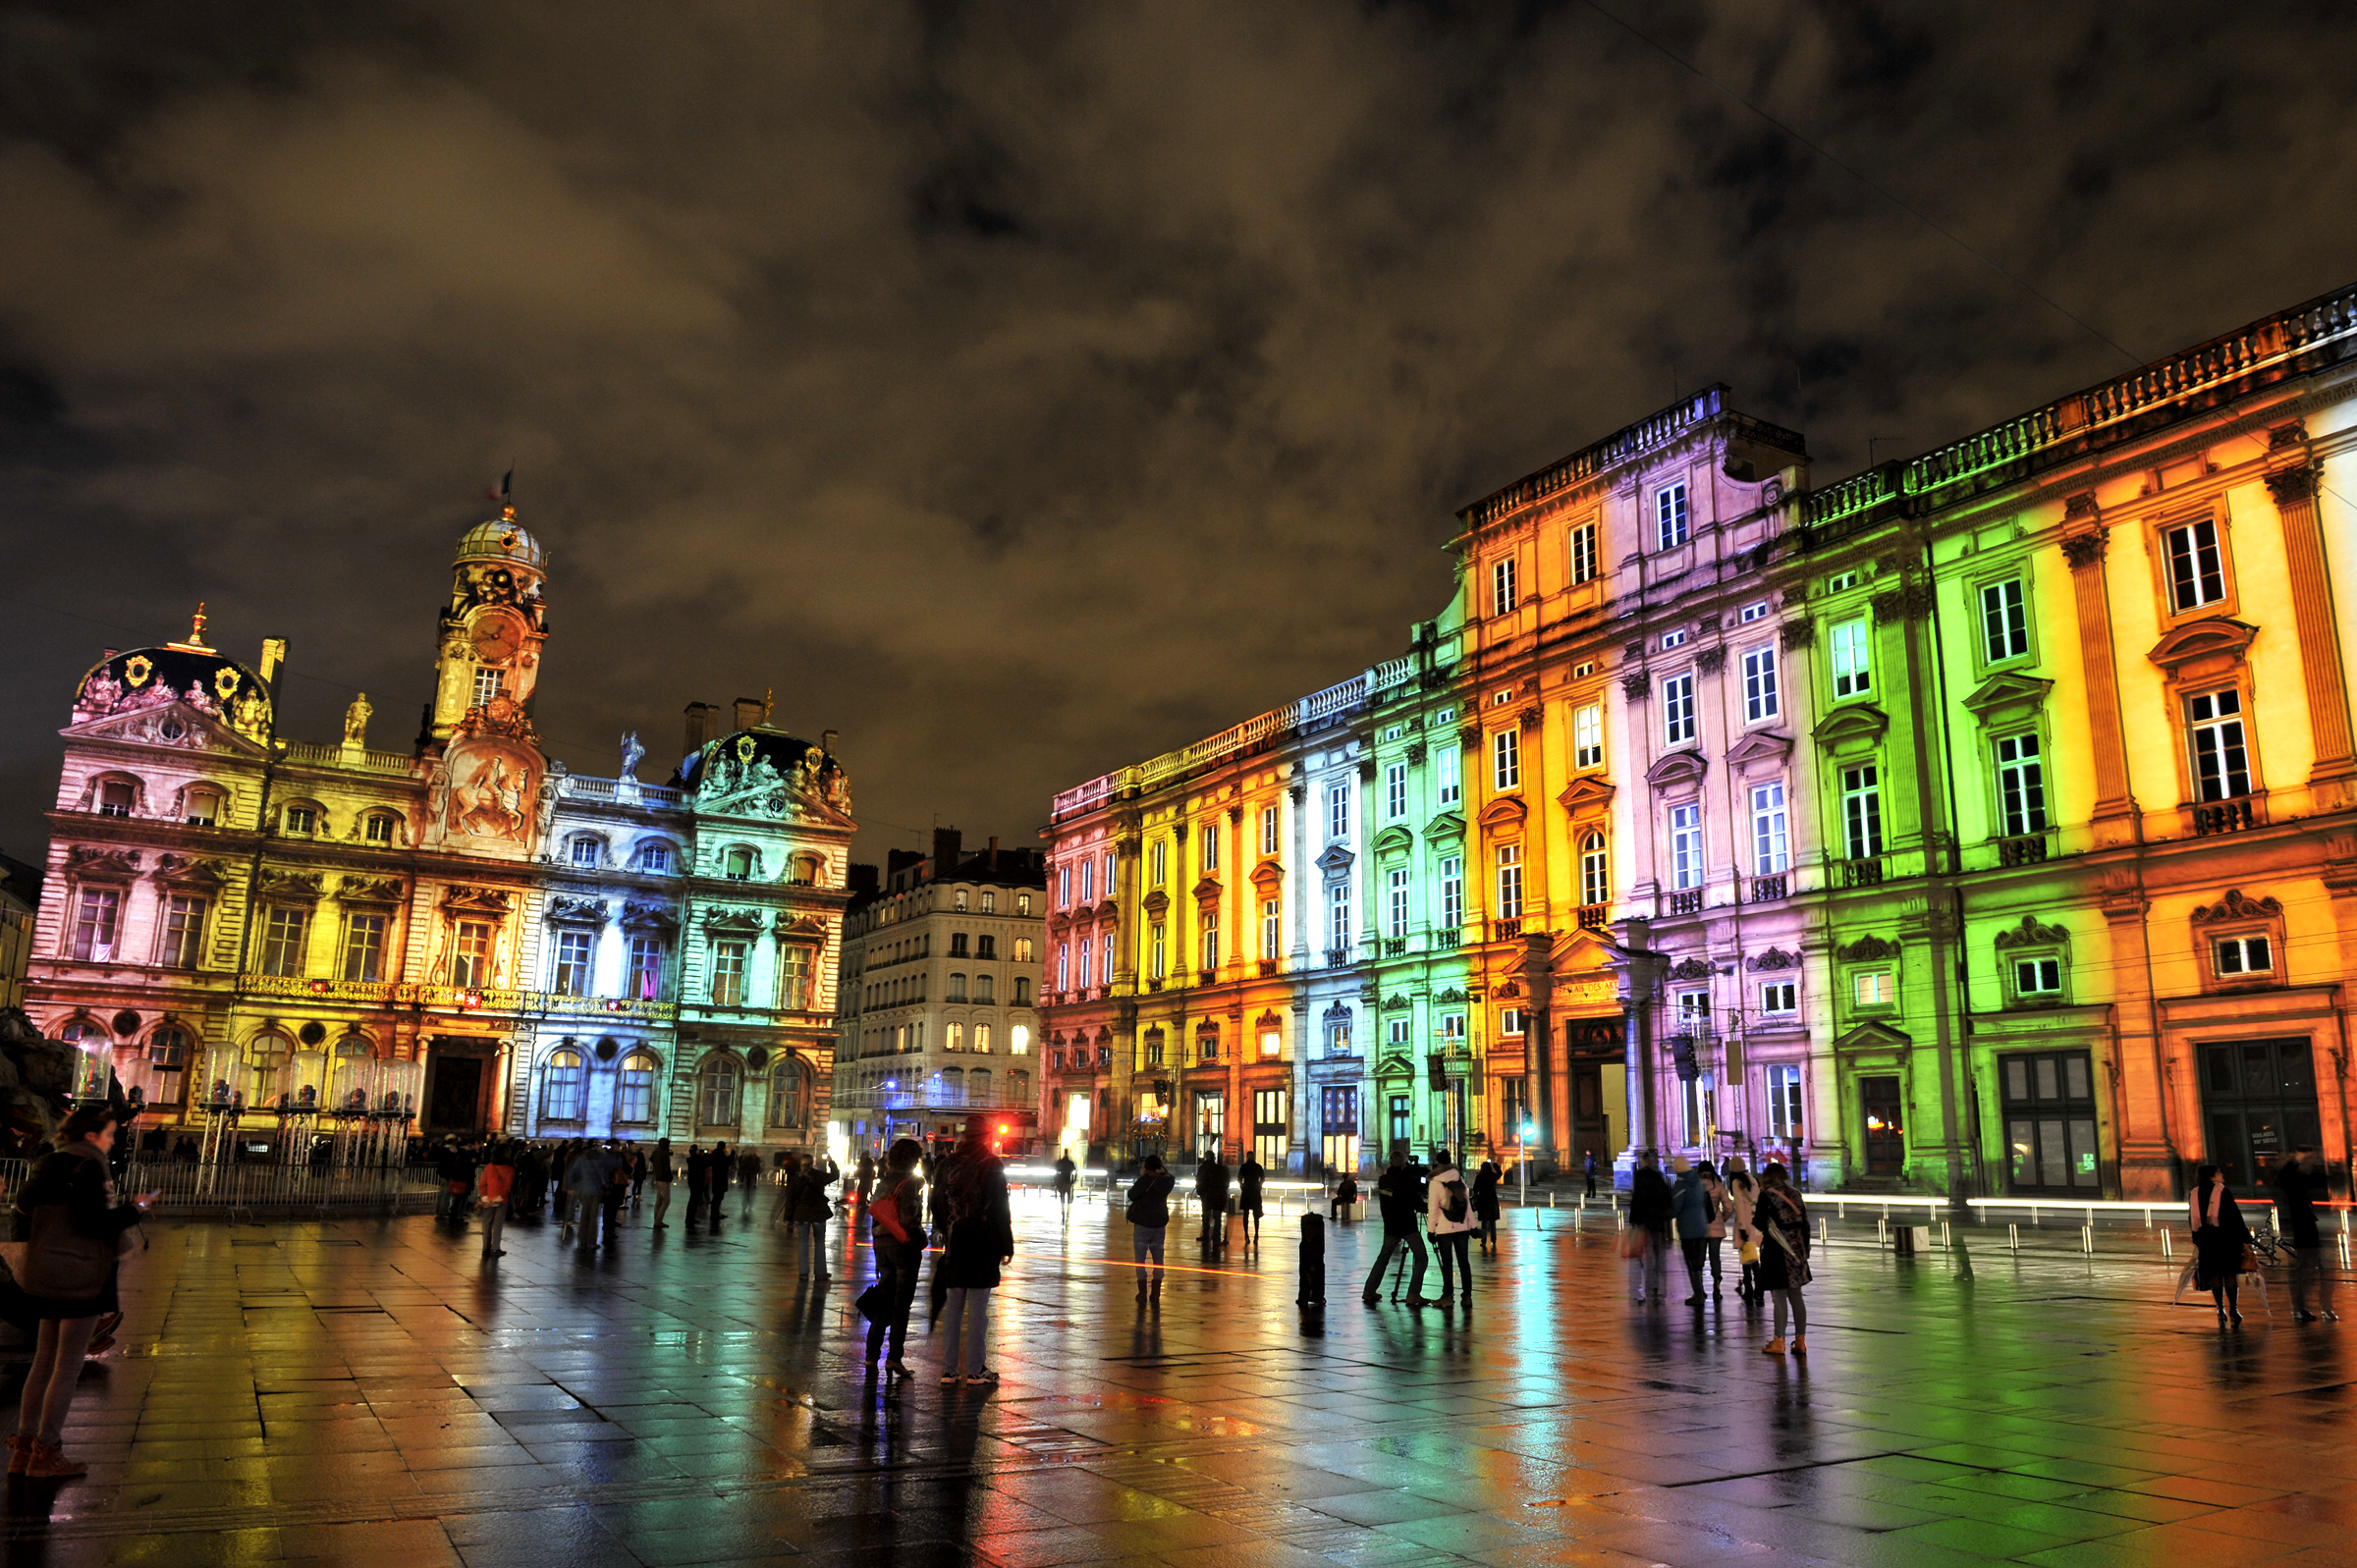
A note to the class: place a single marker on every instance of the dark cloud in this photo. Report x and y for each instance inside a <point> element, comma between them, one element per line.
<point>1024,389</point>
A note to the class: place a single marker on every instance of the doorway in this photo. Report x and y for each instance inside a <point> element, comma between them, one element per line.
<point>454,1098</point>
<point>1886,1126</point>
<point>2259,1099</point>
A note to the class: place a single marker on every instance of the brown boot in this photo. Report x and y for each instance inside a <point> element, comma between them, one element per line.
<point>49,1462</point>
<point>20,1451</point>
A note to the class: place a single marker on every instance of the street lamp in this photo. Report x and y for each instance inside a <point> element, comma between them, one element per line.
<point>1523,1135</point>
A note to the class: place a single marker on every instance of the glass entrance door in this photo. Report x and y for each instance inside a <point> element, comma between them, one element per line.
<point>2050,1122</point>
<point>1886,1126</point>
<point>2257,1104</point>
<point>1271,1131</point>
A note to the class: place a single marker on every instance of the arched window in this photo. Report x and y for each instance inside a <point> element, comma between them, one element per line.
<point>165,1072</point>
<point>201,806</point>
<point>737,864</point>
<point>1595,871</point>
<point>716,1092</point>
<point>587,850</point>
<point>1018,1088</point>
<point>952,1086</point>
<point>788,1094</point>
<point>380,827</point>
<point>982,1038</point>
<point>561,1088</point>
<point>84,1034</point>
<point>977,1086</point>
<point>654,856</point>
<point>806,869</point>
<point>267,1053</point>
<point>634,1090</point>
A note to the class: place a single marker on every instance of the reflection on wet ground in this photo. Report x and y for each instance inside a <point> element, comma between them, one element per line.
<point>373,1392</point>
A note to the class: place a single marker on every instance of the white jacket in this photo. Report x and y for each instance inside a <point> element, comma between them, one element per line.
<point>1435,1203</point>
<point>1744,1195</point>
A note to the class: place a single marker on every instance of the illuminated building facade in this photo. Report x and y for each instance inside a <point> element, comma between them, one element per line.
<point>1983,823</point>
<point>233,910</point>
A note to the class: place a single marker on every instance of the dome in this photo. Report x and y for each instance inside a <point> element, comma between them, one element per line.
<point>500,539</point>
<point>155,677</point>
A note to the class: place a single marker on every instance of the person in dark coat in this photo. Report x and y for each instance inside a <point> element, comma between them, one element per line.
<point>1399,1194</point>
<point>895,1228</point>
<point>716,1184</point>
<point>2298,1181</point>
<point>1149,1216</point>
<point>68,1219</point>
<point>1211,1191</point>
<point>699,1171</point>
<point>1345,1195</point>
<point>749,1178</point>
<point>810,1208</point>
<point>2220,1240</point>
<point>1249,1177</point>
<point>1782,1218</point>
<point>1485,1202</point>
<point>970,1211</point>
<point>1650,1211</point>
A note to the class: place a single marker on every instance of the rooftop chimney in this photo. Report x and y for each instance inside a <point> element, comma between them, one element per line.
<point>994,855</point>
<point>826,741</point>
<point>944,851</point>
<point>748,712</point>
<point>274,654</point>
<point>699,727</point>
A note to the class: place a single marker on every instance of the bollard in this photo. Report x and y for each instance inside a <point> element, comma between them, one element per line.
<point>2344,1249</point>
<point>2087,1240</point>
<point>1881,1232</point>
<point>1550,1199</point>
<point>1948,1242</point>
<point>1313,1262</point>
<point>2013,1237</point>
<point>1825,1235</point>
<point>2167,1248</point>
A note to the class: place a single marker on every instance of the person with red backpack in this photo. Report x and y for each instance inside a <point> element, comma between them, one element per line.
<point>896,1224</point>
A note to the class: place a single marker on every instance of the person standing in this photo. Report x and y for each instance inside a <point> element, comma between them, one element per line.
<point>1591,1174</point>
<point>748,1178</point>
<point>1250,1180</point>
<point>498,1183</point>
<point>1149,1216</point>
<point>867,1176</point>
<point>784,1177</point>
<point>1720,1208</point>
<point>895,1232</point>
<point>1784,1222</point>
<point>1067,1176</point>
<point>660,1169</point>
<point>972,1214</point>
<point>71,1225</point>
<point>1211,1191</point>
<point>1485,1202</point>
<point>699,1171</point>
<point>616,1167</point>
<point>1651,1215</point>
<point>811,1209</point>
<point>583,1183</point>
<point>2297,1182</point>
<point>1692,1211</point>
<point>717,1166</point>
<point>1743,1194</point>
<point>2221,1238</point>
<point>1449,1217</point>
<point>1397,1197</point>
<point>638,1158</point>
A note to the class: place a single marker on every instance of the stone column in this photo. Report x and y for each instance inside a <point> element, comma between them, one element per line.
<point>2147,1153</point>
<point>2116,818</point>
<point>2292,481</point>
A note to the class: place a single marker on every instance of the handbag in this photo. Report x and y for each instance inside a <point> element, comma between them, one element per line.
<point>1634,1241</point>
<point>871,1302</point>
<point>64,1265</point>
<point>1749,1251</point>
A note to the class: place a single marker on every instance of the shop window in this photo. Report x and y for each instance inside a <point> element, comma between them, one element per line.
<point>2048,1110</point>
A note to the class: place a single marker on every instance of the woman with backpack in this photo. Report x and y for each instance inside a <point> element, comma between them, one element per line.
<point>896,1226</point>
<point>72,1231</point>
<point>1449,1220</point>
<point>1149,1222</point>
<point>1784,1222</point>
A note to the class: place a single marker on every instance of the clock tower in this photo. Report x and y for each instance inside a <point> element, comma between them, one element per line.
<point>487,659</point>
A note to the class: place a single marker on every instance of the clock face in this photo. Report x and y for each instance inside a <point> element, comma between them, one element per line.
<point>494,641</point>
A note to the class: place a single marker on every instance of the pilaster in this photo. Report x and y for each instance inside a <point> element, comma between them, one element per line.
<point>2116,818</point>
<point>2291,480</point>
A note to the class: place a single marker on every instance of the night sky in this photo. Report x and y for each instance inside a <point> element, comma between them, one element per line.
<point>1025,389</point>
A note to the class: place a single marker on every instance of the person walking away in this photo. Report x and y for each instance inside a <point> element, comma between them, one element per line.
<point>699,1167</point>
<point>785,1178</point>
<point>1448,1217</point>
<point>498,1183</point>
<point>1249,1178</point>
<point>456,1167</point>
<point>1690,1211</point>
<point>1784,1222</point>
<point>1149,1216</point>
<point>73,1230</point>
<point>866,1177</point>
<point>978,1237</point>
<point>638,1157</point>
<point>1485,1202</point>
<point>1395,1197</point>
<point>895,1232</point>
<point>2297,1182</point>
<point>748,1178</point>
<point>1651,1215</point>
<point>1345,1196</point>
<point>1066,1174</point>
<point>659,1168</point>
<point>1742,1193</point>
<point>812,1211</point>
<point>583,1181</point>
<point>2221,1238</point>
<point>716,1184</point>
<point>1211,1191</point>
<point>1591,1174</point>
<point>1720,1208</point>
<point>616,1168</point>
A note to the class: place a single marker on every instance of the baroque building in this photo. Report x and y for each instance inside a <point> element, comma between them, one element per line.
<point>240,914</point>
<point>1979,824</point>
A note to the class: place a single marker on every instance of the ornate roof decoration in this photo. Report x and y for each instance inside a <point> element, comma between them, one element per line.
<point>2235,906</point>
<point>2030,933</point>
<point>1396,1004</point>
<point>91,860</point>
<point>1451,995</point>
<point>462,899</point>
<point>732,917</point>
<point>1866,949</point>
<point>766,773</point>
<point>638,916</point>
<point>2202,648</point>
<point>1339,1012</point>
<point>1336,861</point>
<point>1763,749</point>
<point>355,889</point>
<point>1692,968</point>
<point>290,884</point>
<point>570,909</point>
<point>1852,726</point>
<point>170,867</point>
<point>1773,959</point>
<point>193,677</point>
<point>2008,698</point>
<point>1588,796</point>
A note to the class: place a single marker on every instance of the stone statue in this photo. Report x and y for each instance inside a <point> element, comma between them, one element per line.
<point>356,721</point>
<point>631,752</point>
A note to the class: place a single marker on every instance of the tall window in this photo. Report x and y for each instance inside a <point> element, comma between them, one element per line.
<point>1759,685</point>
<point>285,932</point>
<point>1510,882</point>
<point>561,1087</point>
<point>1452,892</point>
<point>1587,736</point>
<point>1669,521</point>
<point>1064,886</point>
<point>737,865</point>
<point>1505,760</point>
<point>655,857</point>
<point>489,681</point>
<point>728,973</point>
<point>1395,904</point>
<point>1211,941</point>
<point>2195,576</point>
<point>1862,811</point>
<point>167,1061</point>
<point>1209,838</point>
<point>1501,586</point>
<point>377,828</point>
<point>1584,553</point>
<point>1338,917</point>
<point>634,1090</point>
<point>797,962</point>
<point>1157,959</point>
<point>1088,882</point>
<point>114,798</point>
<point>1338,809</point>
<point>1449,774</point>
<point>572,963</point>
<point>1064,966</point>
<point>471,955</point>
<point>1272,929</point>
<point>645,978</point>
<point>587,853</point>
<point>986,984</point>
<point>1784,1103</point>
<point>183,930</point>
<point>982,1038</point>
<point>790,1092</point>
<point>2020,785</point>
<point>1268,830</point>
<point>302,820</point>
<point>1771,844</point>
<point>1084,956</point>
<point>1022,950</point>
<point>2222,764</point>
<point>364,947</point>
<point>1595,871</point>
<point>1853,659</point>
<point>1394,791</point>
<point>716,1092</point>
<point>1685,846</point>
<point>2004,623</point>
<point>1158,862</point>
<point>203,810</point>
<point>1677,710</point>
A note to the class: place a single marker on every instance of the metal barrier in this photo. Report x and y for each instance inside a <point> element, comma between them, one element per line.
<point>265,1188</point>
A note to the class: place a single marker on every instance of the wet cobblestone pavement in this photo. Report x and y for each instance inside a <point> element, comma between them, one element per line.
<point>372,1393</point>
